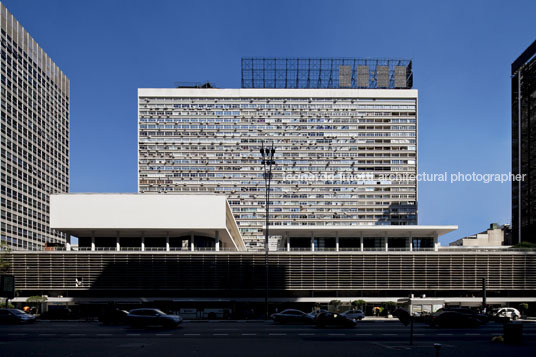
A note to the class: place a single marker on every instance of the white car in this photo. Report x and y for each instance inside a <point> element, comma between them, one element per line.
<point>508,312</point>
<point>354,314</point>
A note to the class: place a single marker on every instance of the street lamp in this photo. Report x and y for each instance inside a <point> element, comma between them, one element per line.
<point>267,155</point>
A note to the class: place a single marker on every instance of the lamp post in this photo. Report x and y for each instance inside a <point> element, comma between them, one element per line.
<point>267,155</point>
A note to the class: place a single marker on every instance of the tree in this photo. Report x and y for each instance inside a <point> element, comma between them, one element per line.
<point>5,264</point>
<point>523,307</point>
<point>36,301</point>
<point>335,304</point>
<point>359,304</point>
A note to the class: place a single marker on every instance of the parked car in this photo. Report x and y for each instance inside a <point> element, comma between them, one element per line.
<point>113,316</point>
<point>15,316</point>
<point>152,317</point>
<point>453,319</point>
<point>354,314</point>
<point>482,318</point>
<point>508,312</point>
<point>291,316</point>
<point>333,319</point>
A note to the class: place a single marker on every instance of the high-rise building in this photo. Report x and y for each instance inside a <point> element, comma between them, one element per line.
<point>34,138</point>
<point>340,128</point>
<point>524,146</point>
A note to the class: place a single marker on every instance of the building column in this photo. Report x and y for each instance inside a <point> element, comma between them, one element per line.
<point>386,242</point>
<point>287,241</point>
<point>312,242</point>
<point>192,243</point>
<point>217,243</point>
<point>92,241</point>
<point>337,241</point>
<point>117,242</point>
<point>361,242</point>
<point>436,242</point>
<point>68,242</point>
<point>410,242</point>
<point>167,241</point>
<point>143,241</point>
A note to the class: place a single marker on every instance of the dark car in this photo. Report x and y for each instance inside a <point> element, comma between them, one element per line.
<point>15,316</point>
<point>152,317</point>
<point>333,319</point>
<point>453,319</point>
<point>482,318</point>
<point>113,316</point>
<point>291,316</point>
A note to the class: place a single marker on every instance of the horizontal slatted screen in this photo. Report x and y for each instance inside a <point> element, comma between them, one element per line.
<point>245,271</point>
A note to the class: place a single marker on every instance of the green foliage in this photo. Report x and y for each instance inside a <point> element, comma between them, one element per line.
<point>4,252</point>
<point>359,303</point>
<point>524,306</point>
<point>36,299</point>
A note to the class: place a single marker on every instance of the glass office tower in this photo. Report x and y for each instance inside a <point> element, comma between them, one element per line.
<point>524,146</point>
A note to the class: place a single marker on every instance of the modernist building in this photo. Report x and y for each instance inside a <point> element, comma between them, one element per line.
<point>524,146</point>
<point>342,130</point>
<point>494,236</point>
<point>186,250</point>
<point>34,137</point>
<point>135,222</point>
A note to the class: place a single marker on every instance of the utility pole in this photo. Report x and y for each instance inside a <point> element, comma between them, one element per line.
<point>267,155</point>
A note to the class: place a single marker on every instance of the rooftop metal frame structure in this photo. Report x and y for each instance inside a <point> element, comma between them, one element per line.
<point>259,72</point>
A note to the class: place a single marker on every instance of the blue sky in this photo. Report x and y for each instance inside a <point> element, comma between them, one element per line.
<point>461,52</point>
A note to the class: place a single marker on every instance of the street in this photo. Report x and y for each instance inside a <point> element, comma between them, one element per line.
<point>255,338</point>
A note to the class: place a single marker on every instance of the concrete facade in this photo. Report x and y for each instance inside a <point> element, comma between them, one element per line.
<point>151,222</point>
<point>492,237</point>
<point>34,138</point>
<point>334,151</point>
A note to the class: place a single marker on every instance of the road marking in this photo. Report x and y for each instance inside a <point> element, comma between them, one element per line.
<point>17,334</point>
<point>104,334</point>
<point>389,334</point>
<point>443,334</point>
<point>336,334</point>
<point>306,334</point>
<point>47,334</point>
<point>220,334</point>
<point>249,334</point>
<point>363,334</point>
<point>77,334</point>
<point>133,334</point>
<point>277,334</point>
<point>192,334</point>
<point>226,329</point>
<point>164,334</point>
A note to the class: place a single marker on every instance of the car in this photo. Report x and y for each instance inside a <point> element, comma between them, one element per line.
<point>509,312</point>
<point>482,318</point>
<point>324,319</point>
<point>113,316</point>
<point>292,316</point>
<point>14,316</point>
<point>314,313</point>
<point>152,317</point>
<point>453,319</point>
<point>354,314</point>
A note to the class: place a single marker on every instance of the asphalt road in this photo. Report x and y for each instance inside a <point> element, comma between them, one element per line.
<point>255,339</point>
